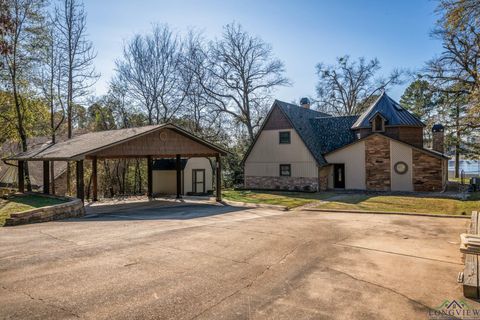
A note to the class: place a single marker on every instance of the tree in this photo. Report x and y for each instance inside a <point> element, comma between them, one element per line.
<point>19,36</point>
<point>241,74</point>
<point>343,87</point>
<point>149,71</point>
<point>422,100</point>
<point>456,69</point>
<point>77,54</point>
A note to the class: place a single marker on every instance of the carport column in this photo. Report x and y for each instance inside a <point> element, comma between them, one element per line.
<point>80,181</point>
<point>179,177</point>
<point>94,179</point>
<point>219,177</point>
<point>21,176</point>
<point>46,177</point>
<point>149,177</point>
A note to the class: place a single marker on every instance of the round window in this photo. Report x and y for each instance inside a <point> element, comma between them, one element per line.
<point>401,167</point>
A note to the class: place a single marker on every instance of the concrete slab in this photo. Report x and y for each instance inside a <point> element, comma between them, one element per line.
<point>212,261</point>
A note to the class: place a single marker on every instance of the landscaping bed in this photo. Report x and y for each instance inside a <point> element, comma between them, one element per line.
<point>279,198</point>
<point>403,203</point>
<point>16,204</point>
<point>378,202</point>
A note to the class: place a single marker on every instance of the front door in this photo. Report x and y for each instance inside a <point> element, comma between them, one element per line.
<point>339,175</point>
<point>198,183</point>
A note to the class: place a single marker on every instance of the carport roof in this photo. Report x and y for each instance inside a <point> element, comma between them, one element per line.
<point>89,143</point>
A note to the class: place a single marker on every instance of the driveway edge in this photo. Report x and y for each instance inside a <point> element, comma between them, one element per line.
<point>254,205</point>
<point>391,213</point>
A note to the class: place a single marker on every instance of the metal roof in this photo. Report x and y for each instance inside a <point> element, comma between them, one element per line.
<point>393,112</point>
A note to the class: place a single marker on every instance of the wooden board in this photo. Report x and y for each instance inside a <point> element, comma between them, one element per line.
<point>470,273</point>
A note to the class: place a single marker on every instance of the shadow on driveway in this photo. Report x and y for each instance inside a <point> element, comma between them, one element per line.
<point>143,211</point>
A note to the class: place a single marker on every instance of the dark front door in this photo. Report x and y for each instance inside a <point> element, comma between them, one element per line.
<point>339,175</point>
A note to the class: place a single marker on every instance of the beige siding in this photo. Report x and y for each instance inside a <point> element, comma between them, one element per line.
<point>353,157</point>
<point>401,152</point>
<point>165,181</point>
<point>267,154</point>
<point>197,163</point>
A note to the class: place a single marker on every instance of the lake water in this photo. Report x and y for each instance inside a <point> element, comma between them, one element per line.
<point>468,166</point>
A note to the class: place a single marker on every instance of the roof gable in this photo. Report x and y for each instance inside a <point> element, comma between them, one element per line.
<point>393,113</point>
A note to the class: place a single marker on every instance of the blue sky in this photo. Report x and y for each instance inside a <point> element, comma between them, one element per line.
<point>302,33</point>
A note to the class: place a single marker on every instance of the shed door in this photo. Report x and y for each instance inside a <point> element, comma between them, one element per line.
<point>198,183</point>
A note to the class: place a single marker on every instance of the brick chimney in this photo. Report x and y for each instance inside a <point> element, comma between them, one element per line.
<point>305,103</point>
<point>438,138</point>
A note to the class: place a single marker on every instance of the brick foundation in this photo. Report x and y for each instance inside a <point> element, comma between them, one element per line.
<point>377,162</point>
<point>281,183</point>
<point>427,172</point>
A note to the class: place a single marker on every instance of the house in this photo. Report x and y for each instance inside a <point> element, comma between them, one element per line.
<point>381,150</point>
<point>9,174</point>
<point>196,176</point>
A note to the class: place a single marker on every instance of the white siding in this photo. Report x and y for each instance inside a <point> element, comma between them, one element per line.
<point>267,155</point>
<point>353,157</point>
<point>401,152</point>
<point>165,181</point>
<point>197,163</point>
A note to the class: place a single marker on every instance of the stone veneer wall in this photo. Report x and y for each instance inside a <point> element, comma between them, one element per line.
<point>70,209</point>
<point>281,183</point>
<point>377,162</point>
<point>427,172</point>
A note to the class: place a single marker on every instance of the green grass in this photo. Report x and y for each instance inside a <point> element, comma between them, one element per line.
<point>416,204</point>
<point>16,204</point>
<point>287,199</point>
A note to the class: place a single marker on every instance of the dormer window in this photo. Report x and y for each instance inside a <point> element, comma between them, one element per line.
<point>378,124</point>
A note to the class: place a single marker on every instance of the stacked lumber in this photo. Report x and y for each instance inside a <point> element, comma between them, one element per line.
<point>470,245</point>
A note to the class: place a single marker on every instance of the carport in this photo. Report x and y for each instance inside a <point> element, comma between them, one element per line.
<point>150,142</point>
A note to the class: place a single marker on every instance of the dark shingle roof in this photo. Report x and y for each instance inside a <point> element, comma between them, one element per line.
<point>320,132</point>
<point>394,114</point>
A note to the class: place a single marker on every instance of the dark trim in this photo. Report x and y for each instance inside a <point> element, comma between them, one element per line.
<point>398,171</point>
<point>80,180</point>
<point>179,176</point>
<point>289,170</point>
<point>46,177</point>
<point>280,137</point>
<point>149,177</point>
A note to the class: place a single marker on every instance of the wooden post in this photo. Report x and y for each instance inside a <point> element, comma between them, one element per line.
<point>219,178</point>
<point>149,177</point>
<point>179,177</point>
<point>80,181</point>
<point>21,176</point>
<point>94,179</point>
<point>46,177</point>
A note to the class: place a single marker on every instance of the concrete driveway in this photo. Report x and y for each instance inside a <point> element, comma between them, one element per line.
<point>220,262</point>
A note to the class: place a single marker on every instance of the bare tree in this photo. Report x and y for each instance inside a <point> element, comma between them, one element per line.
<point>149,69</point>
<point>241,76</point>
<point>342,88</point>
<point>25,27</point>
<point>77,54</point>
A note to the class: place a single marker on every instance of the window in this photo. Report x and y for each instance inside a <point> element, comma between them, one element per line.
<point>378,124</point>
<point>284,137</point>
<point>401,167</point>
<point>285,170</point>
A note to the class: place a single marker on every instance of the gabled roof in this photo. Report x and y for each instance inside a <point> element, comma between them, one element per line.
<point>319,131</point>
<point>80,146</point>
<point>394,114</point>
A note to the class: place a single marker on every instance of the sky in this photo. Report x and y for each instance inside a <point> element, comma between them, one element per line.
<point>302,33</point>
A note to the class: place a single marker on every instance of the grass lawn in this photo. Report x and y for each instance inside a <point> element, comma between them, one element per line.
<point>16,204</point>
<point>282,198</point>
<point>403,203</point>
